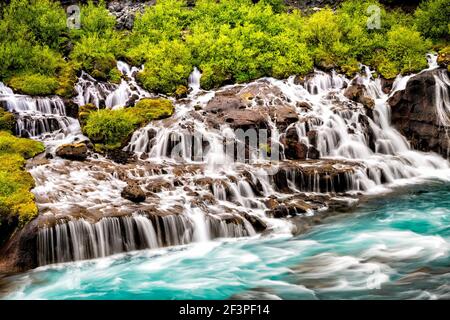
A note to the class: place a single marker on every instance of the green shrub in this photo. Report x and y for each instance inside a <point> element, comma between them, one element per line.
<point>432,19</point>
<point>167,66</point>
<point>95,18</point>
<point>34,84</point>
<point>96,54</point>
<point>407,49</point>
<point>110,127</point>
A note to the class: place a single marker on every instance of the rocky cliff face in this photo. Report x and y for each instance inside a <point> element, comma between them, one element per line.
<point>420,112</point>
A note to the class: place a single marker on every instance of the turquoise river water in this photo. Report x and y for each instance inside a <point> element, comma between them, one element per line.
<point>394,246</point>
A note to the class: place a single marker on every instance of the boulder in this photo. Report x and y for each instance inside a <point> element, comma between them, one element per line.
<point>73,151</point>
<point>284,115</point>
<point>414,112</point>
<point>357,92</point>
<point>296,150</point>
<point>133,192</point>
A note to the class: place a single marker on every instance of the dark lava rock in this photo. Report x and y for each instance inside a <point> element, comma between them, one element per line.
<point>73,151</point>
<point>414,113</point>
<point>133,192</point>
<point>357,93</point>
<point>120,156</point>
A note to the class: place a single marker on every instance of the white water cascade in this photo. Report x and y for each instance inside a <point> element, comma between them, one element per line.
<point>194,81</point>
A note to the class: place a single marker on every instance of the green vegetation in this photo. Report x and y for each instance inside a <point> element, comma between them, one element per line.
<point>111,129</point>
<point>34,84</point>
<point>16,200</point>
<point>229,41</point>
<point>7,121</point>
<point>432,19</point>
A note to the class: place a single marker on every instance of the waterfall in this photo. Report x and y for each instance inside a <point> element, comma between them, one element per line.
<point>194,81</point>
<point>38,116</point>
<point>111,96</point>
<point>198,191</point>
<point>442,98</point>
<point>79,239</point>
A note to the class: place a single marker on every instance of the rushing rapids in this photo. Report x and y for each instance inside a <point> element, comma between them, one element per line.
<point>315,146</point>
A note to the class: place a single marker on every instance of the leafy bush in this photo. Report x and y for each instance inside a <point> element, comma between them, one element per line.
<point>34,84</point>
<point>432,19</point>
<point>168,65</point>
<point>110,127</point>
<point>229,41</point>
<point>407,49</point>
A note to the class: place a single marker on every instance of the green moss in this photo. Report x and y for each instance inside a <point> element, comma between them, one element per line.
<point>444,57</point>
<point>152,109</point>
<point>114,76</point>
<point>181,91</point>
<point>7,120</point>
<point>34,84</point>
<point>66,81</point>
<point>84,111</point>
<point>111,129</point>
<point>15,183</point>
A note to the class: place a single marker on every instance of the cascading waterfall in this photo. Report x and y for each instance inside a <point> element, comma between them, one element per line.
<point>79,239</point>
<point>198,192</point>
<point>38,116</point>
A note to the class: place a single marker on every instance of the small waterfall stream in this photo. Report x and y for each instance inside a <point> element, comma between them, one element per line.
<point>195,190</point>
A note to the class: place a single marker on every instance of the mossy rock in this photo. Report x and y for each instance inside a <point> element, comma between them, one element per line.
<point>443,58</point>
<point>115,76</point>
<point>112,129</point>
<point>16,200</point>
<point>7,121</point>
<point>34,84</point>
<point>149,109</point>
<point>102,67</point>
<point>84,111</point>
<point>181,92</point>
<point>66,81</point>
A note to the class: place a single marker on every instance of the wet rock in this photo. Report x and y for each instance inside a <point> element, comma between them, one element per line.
<point>120,156</point>
<point>293,149</point>
<point>256,222</point>
<point>71,108</point>
<point>271,203</point>
<point>304,105</point>
<point>443,58</point>
<point>245,119</point>
<point>312,137</point>
<point>19,253</point>
<point>159,185</point>
<point>283,115</point>
<point>73,151</point>
<point>357,92</point>
<point>314,176</point>
<point>414,113</point>
<point>386,85</point>
<point>133,192</point>
<point>313,153</point>
<point>125,11</point>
